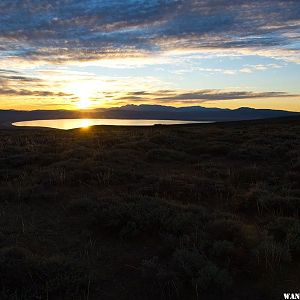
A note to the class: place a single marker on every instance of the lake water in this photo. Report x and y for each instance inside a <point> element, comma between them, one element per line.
<point>84,123</point>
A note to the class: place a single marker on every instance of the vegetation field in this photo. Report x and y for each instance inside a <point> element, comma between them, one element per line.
<point>206,211</point>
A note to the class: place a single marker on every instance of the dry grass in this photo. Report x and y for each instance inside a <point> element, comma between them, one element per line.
<point>179,212</point>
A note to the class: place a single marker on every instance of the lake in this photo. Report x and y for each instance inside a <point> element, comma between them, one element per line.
<point>84,123</point>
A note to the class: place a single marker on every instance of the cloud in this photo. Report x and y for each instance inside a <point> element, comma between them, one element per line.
<point>259,67</point>
<point>14,83</point>
<point>199,96</point>
<point>84,30</point>
<point>22,92</point>
<point>14,78</point>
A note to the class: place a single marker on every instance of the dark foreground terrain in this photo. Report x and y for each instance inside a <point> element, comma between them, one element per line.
<point>180,212</point>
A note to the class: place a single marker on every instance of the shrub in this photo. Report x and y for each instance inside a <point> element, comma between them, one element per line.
<point>165,155</point>
<point>271,255</point>
<point>144,214</point>
<point>247,175</point>
<point>228,230</point>
<point>189,269</point>
<point>286,231</point>
<point>32,277</point>
<point>222,249</point>
<point>211,278</point>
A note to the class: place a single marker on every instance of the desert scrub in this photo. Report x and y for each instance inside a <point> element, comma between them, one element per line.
<point>248,175</point>
<point>188,269</point>
<point>271,255</point>
<point>211,202</point>
<point>192,189</point>
<point>280,205</point>
<point>28,276</point>
<point>262,200</point>
<point>217,149</point>
<point>250,200</point>
<point>226,230</point>
<point>287,232</point>
<point>146,214</point>
<point>163,139</point>
<point>222,249</point>
<point>166,155</point>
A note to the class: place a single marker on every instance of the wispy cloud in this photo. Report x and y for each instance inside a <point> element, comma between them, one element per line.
<point>22,92</point>
<point>61,85</point>
<point>83,30</point>
<point>259,67</point>
<point>197,97</point>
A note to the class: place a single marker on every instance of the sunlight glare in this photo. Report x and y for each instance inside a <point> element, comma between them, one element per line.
<point>83,103</point>
<point>84,90</point>
<point>85,123</point>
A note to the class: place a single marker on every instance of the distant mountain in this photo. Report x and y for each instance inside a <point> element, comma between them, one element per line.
<point>158,112</point>
<point>147,107</point>
<point>194,113</point>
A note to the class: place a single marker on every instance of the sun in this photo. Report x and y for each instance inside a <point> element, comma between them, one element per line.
<point>84,94</point>
<point>83,91</point>
<point>84,103</point>
<point>87,93</point>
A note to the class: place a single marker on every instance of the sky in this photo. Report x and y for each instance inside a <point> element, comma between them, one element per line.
<point>75,54</point>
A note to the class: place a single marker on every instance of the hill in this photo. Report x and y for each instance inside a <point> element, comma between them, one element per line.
<point>165,212</point>
<point>155,112</point>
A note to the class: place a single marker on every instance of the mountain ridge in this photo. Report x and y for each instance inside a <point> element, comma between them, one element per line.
<point>147,111</point>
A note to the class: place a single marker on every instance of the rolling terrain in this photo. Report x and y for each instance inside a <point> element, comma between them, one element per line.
<point>206,211</point>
